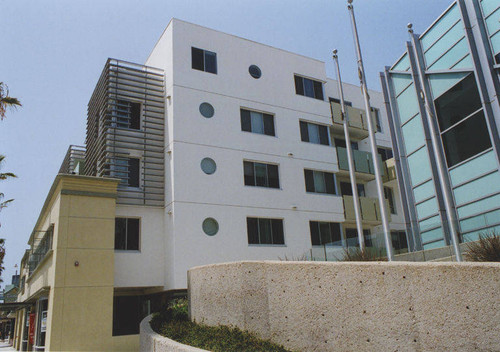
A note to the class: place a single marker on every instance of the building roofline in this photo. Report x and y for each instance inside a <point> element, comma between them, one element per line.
<point>174,19</point>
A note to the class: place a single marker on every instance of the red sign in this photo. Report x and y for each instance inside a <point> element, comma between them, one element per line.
<point>32,329</point>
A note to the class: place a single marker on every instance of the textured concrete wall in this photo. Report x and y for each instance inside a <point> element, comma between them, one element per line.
<point>152,342</point>
<point>310,306</point>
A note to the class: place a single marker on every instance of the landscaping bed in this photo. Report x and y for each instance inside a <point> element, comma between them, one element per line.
<point>174,323</point>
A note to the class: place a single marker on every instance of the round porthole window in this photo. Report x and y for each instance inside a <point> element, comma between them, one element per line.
<point>255,71</point>
<point>207,110</point>
<point>208,166</point>
<point>210,226</point>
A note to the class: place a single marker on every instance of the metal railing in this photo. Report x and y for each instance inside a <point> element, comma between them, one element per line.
<point>74,156</point>
<point>39,251</point>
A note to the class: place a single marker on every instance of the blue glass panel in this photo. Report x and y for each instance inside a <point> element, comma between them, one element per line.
<point>493,22</point>
<point>495,42</point>
<point>441,82</point>
<point>427,208</point>
<point>477,189</point>
<point>493,218</point>
<point>413,134</point>
<point>451,57</point>
<point>432,236</point>
<point>419,165</point>
<point>479,206</point>
<point>445,43</point>
<point>424,191</point>
<point>466,62</point>
<point>400,82</point>
<point>432,245</point>
<point>473,168</point>
<point>402,65</point>
<point>474,236</point>
<point>430,223</point>
<point>407,104</point>
<point>489,6</point>
<point>473,223</point>
<point>441,26</point>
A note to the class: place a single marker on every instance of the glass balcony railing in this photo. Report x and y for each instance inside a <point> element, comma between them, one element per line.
<point>370,210</point>
<point>363,161</point>
<point>356,119</point>
<point>389,168</point>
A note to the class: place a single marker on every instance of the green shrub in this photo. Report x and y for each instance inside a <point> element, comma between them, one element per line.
<point>487,249</point>
<point>367,255</point>
<point>173,322</point>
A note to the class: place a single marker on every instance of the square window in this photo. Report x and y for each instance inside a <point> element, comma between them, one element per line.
<point>308,87</point>
<point>256,122</point>
<point>319,181</point>
<point>325,233</point>
<point>265,231</point>
<point>127,234</point>
<point>261,175</point>
<point>127,114</point>
<point>203,60</point>
<point>314,133</point>
<point>128,170</point>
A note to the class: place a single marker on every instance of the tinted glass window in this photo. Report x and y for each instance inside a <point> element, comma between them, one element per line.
<point>467,139</point>
<point>458,102</point>
<point>197,59</point>
<point>265,231</point>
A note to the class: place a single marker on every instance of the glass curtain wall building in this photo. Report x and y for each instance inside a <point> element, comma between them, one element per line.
<point>448,76</point>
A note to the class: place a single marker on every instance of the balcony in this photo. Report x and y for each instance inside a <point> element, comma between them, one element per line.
<point>39,249</point>
<point>358,125</point>
<point>389,167</point>
<point>370,210</point>
<point>363,164</point>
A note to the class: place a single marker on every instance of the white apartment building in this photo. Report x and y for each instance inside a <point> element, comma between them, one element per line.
<point>205,157</point>
<point>227,150</point>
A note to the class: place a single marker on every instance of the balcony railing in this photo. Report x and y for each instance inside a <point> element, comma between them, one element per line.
<point>73,161</point>
<point>370,210</point>
<point>389,170</point>
<point>357,121</point>
<point>39,251</point>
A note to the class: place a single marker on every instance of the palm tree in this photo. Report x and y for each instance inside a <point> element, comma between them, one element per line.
<point>6,101</point>
<point>4,176</point>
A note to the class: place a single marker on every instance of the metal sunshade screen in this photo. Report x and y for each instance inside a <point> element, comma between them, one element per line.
<point>136,132</point>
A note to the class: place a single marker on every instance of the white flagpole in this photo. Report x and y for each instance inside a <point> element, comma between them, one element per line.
<point>371,133</point>
<point>350,159</point>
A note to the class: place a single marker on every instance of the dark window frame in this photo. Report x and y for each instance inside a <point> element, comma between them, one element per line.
<point>389,195</point>
<point>128,170</point>
<point>303,83</point>
<point>128,244</point>
<point>251,177</point>
<point>318,237</point>
<point>329,180</point>
<point>128,114</point>
<point>201,60</point>
<point>323,133</point>
<point>254,231</point>
<point>268,122</point>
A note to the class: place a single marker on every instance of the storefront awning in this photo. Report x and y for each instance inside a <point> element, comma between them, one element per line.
<point>6,307</point>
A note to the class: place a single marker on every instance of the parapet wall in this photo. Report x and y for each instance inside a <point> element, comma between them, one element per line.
<point>311,306</point>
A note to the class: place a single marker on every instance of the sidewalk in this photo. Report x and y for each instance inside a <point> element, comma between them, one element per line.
<point>4,346</point>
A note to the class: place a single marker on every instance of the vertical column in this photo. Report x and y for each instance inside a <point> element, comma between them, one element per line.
<point>403,175</point>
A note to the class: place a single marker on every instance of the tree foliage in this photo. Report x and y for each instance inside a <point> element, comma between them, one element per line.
<point>6,101</point>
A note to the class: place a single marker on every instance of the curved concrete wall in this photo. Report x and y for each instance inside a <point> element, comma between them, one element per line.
<point>312,306</point>
<point>150,341</point>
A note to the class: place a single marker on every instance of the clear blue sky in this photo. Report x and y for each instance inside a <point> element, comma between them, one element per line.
<point>53,52</point>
